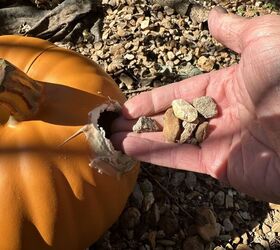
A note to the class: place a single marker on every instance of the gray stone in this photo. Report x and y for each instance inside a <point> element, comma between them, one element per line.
<point>148,201</point>
<point>258,247</point>
<point>188,131</point>
<point>169,223</point>
<point>130,218</point>
<point>177,178</point>
<point>193,243</point>
<point>181,6</point>
<point>146,186</point>
<point>206,106</point>
<point>137,196</point>
<point>190,180</point>
<point>229,201</point>
<point>201,132</point>
<point>243,247</point>
<point>225,237</point>
<point>228,225</point>
<point>245,215</point>
<point>145,124</point>
<point>219,198</point>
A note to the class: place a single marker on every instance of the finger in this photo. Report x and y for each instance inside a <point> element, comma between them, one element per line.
<point>159,99</point>
<point>229,29</point>
<point>210,158</point>
<point>117,138</point>
<point>180,156</point>
<point>123,124</point>
<point>214,84</point>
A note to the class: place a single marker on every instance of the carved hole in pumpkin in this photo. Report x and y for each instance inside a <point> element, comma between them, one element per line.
<point>105,121</point>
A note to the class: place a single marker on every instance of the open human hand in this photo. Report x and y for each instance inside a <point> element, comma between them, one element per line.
<point>243,145</point>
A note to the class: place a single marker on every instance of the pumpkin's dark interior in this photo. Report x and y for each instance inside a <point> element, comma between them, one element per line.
<point>106,120</point>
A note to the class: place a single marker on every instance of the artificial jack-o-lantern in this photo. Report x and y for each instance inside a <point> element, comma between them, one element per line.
<point>50,197</point>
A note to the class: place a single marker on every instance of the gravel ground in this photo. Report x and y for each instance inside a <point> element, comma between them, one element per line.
<point>144,45</point>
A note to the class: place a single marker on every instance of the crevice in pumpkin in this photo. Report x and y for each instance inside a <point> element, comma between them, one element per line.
<point>105,121</point>
<point>105,158</point>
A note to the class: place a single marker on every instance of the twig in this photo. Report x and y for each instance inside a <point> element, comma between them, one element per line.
<point>142,89</point>
<point>167,192</point>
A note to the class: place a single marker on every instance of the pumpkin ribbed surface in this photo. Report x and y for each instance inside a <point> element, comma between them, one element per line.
<point>50,197</point>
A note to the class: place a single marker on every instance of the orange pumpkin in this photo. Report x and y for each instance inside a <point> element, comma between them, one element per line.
<point>50,197</point>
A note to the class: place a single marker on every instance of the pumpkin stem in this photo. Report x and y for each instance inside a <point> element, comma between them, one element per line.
<point>19,93</point>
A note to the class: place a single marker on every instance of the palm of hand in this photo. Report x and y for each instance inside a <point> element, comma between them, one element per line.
<point>253,160</point>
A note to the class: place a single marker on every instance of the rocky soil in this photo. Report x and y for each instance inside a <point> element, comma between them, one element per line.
<point>144,44</point>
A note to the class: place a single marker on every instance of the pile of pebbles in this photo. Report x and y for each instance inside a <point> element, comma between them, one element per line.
<point>145,45</point>
<point>182,123</point>
<point>188,122</point>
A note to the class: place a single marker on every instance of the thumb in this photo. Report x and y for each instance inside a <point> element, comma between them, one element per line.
<point>227,28</point>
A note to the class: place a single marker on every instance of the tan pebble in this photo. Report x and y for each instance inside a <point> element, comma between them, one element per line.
<point>205,64</point>
<point>265,228</point>
<point>129,56</point>
<point>128,81</point>
<point>243,247</point>
<point>229,246</point>
<point>198,14</point>
<point>145,33</point>
<point>184,110</point>
<point>114,49</point>
<point>121,32</point>
<point>127,17</point>
<point>98,45</point>
<point>94,58</point>
<point>274,206</point>
<point>170,55</point>
<point>188,131</point>
<point>171,126</point>
<point>206,224</point>
<point>201,132</point>
<point>182,40</point>
<point>176,62</point>
<point>145,23</point>
<point>169,11</point>
<point>206,106</point>
<point>188,56</point>
<point>276,227</point>
<point>169,64</point>
<point>236,240</point>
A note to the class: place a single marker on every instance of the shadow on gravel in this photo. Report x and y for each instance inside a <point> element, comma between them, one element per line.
<point>164,210</point>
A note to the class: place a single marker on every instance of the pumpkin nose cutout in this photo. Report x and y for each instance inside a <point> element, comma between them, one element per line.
<point>105,121</point>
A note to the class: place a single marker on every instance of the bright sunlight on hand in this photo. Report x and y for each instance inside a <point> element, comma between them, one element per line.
<point>243,146</point>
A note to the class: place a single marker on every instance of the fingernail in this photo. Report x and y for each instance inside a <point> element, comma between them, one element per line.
<point>221,10</point>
